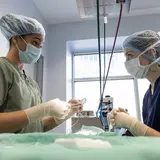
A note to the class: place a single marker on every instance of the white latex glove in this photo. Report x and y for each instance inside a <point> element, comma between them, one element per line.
<point>123,120</point>
<point>79,108</point>
<point>121,110</point>
<point>110,116</point>
<point>71,112</point>
<point>56,108</point>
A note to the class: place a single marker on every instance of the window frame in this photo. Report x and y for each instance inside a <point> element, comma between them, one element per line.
<point>110,78</point>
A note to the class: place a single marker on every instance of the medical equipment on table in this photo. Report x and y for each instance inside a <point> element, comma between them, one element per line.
<point>105,108</point>
<point>87,113</point>
<point>102,107</point>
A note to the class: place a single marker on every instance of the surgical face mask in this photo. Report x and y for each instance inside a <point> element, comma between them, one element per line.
<point>30,55</point>
<point>134,68</point>
<point>137,70</point>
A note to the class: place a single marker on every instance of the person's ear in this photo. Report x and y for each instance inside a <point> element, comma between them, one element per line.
<point>14,40</point>
<point>152,53</point>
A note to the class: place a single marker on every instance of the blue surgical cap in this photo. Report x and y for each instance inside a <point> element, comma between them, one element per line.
<point>15,25</point>
<point>140,41</point>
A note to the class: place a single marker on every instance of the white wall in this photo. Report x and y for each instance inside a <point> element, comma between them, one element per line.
<point>27,8</point>
<point>62,33</point>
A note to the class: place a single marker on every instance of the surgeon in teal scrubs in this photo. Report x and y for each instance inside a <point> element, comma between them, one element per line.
<point>21,107</point>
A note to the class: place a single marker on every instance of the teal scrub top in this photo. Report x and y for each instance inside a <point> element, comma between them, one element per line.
<point>18,92</point>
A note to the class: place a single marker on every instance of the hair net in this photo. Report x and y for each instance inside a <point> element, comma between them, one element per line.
<point>143,41</point>
<point>15,25</point>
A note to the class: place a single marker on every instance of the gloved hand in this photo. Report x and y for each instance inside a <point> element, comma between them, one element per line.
<point>56,108</point>
<point>71,112</point>
<point>79,108</point>
<point>121,110</point>
<point>111,116</point>
<point>123,120</point>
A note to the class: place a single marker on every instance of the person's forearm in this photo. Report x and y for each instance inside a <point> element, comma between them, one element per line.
<point>152,132</point>
<point>137,128</point>
<point>48,124</point>
<point>12,121</point>
<point>140,129</point>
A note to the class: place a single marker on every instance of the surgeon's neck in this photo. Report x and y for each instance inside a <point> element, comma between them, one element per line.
<point>152,77</point>
<point>12,55</point>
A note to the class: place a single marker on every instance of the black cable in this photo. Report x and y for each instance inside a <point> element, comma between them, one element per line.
<point>118,25</point>
<point>119,20</point>
<point>104,14</point>
<point>104,62</point>
<point>99,49</point>
<point>104,53</point>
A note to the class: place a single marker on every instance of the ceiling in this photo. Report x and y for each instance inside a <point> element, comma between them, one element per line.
<point>62,11</point>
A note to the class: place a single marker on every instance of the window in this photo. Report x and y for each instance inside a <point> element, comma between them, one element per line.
<point>88,66</point>
<point>90,90</point>
<point>114,88</point>
<point>120,85</point>
<point>122,92</point>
